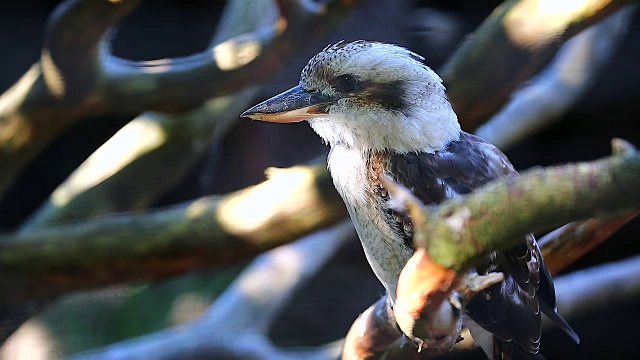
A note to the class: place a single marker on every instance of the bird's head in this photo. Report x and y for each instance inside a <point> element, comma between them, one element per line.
<point>368,96</point>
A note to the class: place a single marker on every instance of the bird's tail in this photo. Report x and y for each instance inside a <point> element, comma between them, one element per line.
<point>559,321</point>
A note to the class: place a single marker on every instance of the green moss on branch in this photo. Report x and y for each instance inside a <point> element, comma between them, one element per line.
<point>499,214</point>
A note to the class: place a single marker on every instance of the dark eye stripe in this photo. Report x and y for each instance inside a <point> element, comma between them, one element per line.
<point>388,94</point>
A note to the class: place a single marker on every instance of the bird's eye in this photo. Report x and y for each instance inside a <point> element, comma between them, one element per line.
<point>346,83</point>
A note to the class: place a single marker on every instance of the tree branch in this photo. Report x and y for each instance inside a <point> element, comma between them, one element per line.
<point>568,243</point>
<point>586,291</point>
<point>44,102</point>
<point>125,175</point>
<point>70,51</point>
<point>518,38</point>
<point>526,204</point>
<point>538,103</point>
<point>373,333</point>
<point>244,312</point>
<point>497,216</point>
<point>202,233</point>
<point>233,65</point>
<point>37,109</point>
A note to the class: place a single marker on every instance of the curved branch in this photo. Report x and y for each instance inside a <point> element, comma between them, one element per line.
<point>32,114</point>
<point>373,333</point>
<point>509,47</point>
<point>538,103</point>
<point>238,62</point>
<point>58,90</point>
<point>72,38</point>
<point>243,313</point>
<point>202,233</point>
<point>125,175</point>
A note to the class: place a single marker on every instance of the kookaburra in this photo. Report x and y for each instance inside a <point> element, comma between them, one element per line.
<point>382,110</point>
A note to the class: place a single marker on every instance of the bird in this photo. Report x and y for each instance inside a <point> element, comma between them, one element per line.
<point>383,111</point>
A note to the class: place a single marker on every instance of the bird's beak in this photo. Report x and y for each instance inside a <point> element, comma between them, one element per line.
<point>293,105</point>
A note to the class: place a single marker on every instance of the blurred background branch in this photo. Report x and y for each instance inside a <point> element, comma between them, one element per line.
<point>572,71</point>
<point>44,102</point>
<point>519,69</point>
<point>519,38</point>
<point>246,311</point>
<point>212,231</point>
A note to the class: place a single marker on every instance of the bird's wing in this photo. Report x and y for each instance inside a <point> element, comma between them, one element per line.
<point>511,309</point>
<point>465,165</point>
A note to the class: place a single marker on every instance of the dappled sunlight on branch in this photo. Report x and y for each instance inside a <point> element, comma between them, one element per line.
<point>279,196</point>
<point>535,23</point>
<point>542,101</point>
<point>32,342</point>
<point>509,47</point>
<point>78,76</point>
<point>236,53</point>
<point>130,143</point>
<point>170,240</point>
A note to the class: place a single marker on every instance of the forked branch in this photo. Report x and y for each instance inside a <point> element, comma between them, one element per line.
<point>77,77</point>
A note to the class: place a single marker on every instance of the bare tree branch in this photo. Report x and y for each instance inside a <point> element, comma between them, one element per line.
<point>155,150</point>
<point>586,291</point>
<point>139,163</point>
<point>237,322</point>
<point>542,101</point>
<point>239,62</point>
<point>201,233</point>
<point>43,102</point>
<point>35,110</point>
<point>71,44</point>
<point>518,38</point>
<point>373,333</point>
<point>570,242</point>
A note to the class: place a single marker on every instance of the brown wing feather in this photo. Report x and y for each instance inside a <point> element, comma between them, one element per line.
<point>510,310</point>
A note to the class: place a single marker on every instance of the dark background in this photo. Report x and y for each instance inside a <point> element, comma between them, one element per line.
<point>324,310</point>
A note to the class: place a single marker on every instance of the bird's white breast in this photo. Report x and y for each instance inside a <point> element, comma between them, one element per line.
<point>384,250</point>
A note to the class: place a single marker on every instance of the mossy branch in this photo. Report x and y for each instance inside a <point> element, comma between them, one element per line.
<point>511,45</point>
<point>496,216</point>
<point>203,233</point>
<point>460,231</point>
